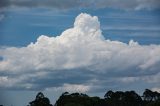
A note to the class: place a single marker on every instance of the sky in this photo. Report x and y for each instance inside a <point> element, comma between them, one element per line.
<point>87,46</point>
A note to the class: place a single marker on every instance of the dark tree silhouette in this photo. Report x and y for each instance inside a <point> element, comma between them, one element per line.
<point>40,100</point>
<point>78,99</point>
<point>148,95</point>
<point>109,94</point>
<point>117,98</point>
<point>151,98</point>
<point>132,99</point>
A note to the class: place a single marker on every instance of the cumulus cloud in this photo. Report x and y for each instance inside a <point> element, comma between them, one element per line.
<point>63,4</point>
<point>78,57</point>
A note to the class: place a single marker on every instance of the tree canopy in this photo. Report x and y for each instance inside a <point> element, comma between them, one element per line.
<point>111,98</point>
<point>40,100</point>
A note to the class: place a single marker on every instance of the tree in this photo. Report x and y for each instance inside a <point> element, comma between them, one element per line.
<point>148,95</point>
<point>40,100</point>
<point>109,94</point>
<point>119,98</point>
<point>151,98</point>
<point>132,99</point>
<point>78,99</point>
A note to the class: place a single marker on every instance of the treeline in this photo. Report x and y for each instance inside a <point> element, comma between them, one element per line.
<point>118,98</point>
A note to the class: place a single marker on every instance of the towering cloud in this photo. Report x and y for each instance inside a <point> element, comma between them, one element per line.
<point>79,56</point>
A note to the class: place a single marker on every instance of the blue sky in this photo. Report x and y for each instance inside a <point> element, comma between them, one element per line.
<point>142,26</point>
<point>127,58</point>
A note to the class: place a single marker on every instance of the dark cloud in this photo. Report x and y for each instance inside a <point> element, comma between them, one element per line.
<point>4,3</point>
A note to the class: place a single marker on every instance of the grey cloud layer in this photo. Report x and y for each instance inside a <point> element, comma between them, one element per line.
<point>40,3</point>
<point>80,58</point>
<point>67,4</point>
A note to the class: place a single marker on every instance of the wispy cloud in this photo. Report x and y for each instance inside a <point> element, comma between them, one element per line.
<point>133,28</point>
<point>63,4</point>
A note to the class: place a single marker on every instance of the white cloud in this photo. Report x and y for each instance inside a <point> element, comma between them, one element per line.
<point>156,89</point>
<point>70,88</point>
<point>147,4</point>
<point>81,53</point>
<point>128,79</point>
<point>76,88</point>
